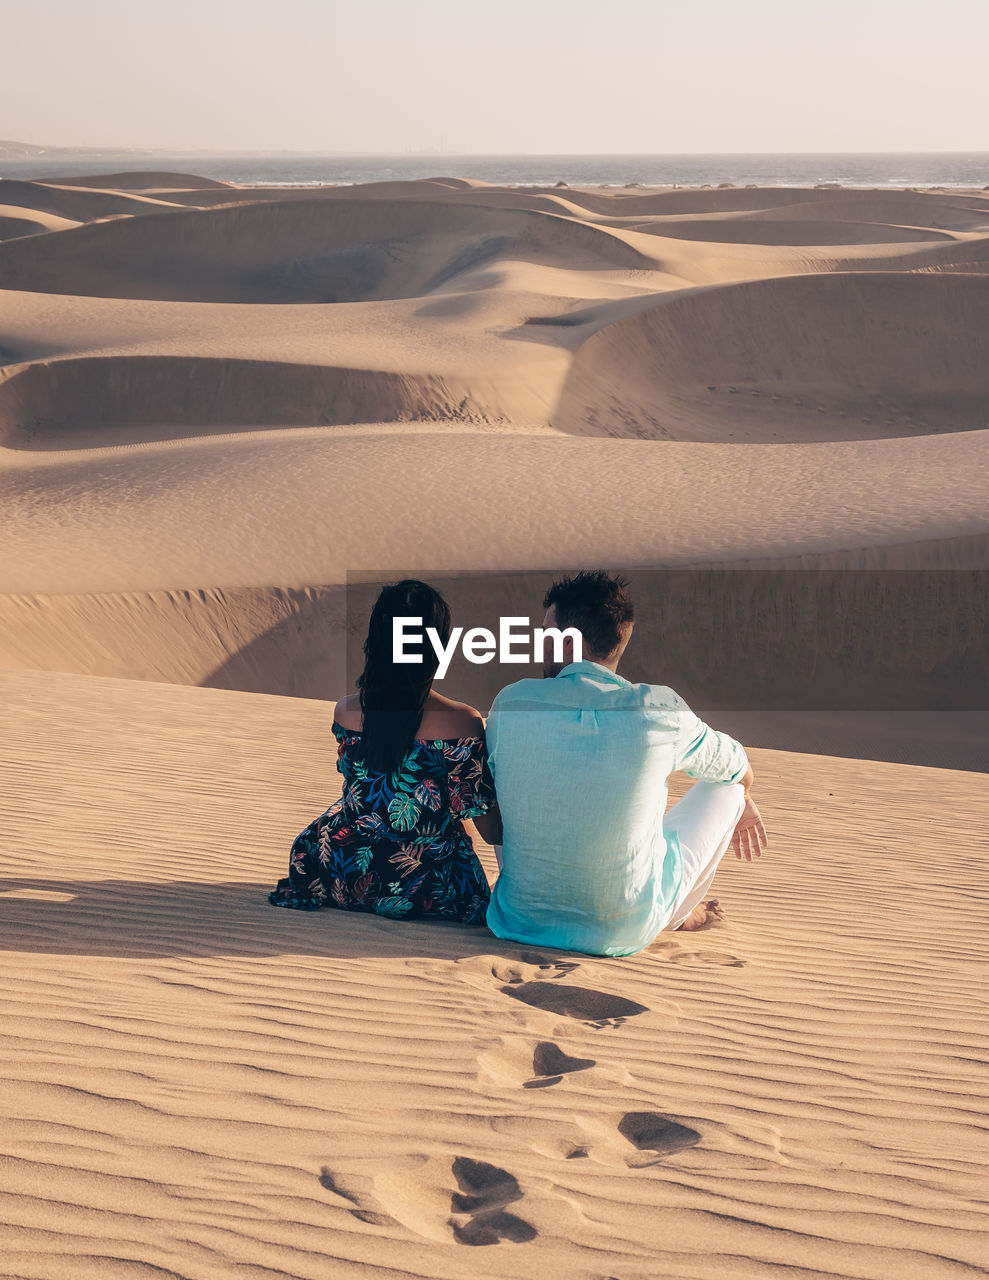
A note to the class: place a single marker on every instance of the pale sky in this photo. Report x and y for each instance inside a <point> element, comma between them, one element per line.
<point>498,76</point>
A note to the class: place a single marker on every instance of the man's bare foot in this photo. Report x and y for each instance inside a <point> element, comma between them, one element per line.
<point>703,914</point>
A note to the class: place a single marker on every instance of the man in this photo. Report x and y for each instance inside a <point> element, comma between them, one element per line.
<point>581,761</point>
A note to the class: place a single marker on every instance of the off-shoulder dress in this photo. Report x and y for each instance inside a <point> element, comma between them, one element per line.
<point>395,843</point>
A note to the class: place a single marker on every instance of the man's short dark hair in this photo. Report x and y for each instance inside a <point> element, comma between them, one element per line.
<point>597,604</point>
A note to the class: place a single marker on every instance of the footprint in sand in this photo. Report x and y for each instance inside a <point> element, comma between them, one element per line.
<point>331,1182</point>
<point>550,1064</point>
<point>534,979</point>
<point>521,1060</point>
<point>466,1201</point>
<point>478,1210</point>
<point>654,1136</point>
<point>596,1008</point>
<point>530,967</point>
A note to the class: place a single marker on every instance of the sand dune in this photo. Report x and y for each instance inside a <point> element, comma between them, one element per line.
<point>80,205</point>
<point>953,213</point>
<point>824,399</point>
<point>893,206</point>
<point>144,181</point>
<point>283,508</point>
<point>128,392</point>
<point>197,1084</point>
<point>13,227</point>
<point>226,415</point>
<point>412,189</point>
<point>690,200</point>
<point>783,359</point>
<point>277,526</point>
<point>17,221</point>
<point>784,232</point>
<point>299,251</point>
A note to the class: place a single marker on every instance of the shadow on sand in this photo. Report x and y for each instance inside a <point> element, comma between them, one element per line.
<point>132,920</point>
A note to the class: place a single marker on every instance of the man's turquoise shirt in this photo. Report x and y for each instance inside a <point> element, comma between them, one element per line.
<point>581,763</point>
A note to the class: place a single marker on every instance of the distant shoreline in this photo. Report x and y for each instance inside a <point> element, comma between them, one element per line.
<point>886,171</point>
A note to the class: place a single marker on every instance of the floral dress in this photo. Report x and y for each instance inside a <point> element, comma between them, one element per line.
<point>394,843</point>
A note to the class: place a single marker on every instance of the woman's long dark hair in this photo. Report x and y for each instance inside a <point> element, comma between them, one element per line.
<point>392,694</point>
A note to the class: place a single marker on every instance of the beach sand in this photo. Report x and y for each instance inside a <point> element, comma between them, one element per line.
<point>220,405</point>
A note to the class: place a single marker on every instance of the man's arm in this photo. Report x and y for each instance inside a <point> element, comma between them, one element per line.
<point>713,757</point>
<point>704,753</point>
<point>707,755</point>
<point>748,780</point>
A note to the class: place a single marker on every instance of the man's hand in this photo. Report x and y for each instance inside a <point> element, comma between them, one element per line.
<point>750,836</point>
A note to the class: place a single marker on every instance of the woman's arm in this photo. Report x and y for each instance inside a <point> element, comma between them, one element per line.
<point>489,825</point>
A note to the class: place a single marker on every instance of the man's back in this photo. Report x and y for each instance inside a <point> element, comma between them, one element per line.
<point>581,763</point>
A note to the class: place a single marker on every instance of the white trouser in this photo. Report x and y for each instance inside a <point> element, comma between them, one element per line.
<point>704,821</point>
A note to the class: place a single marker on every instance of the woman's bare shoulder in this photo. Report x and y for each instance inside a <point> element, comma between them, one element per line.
<point>348,712</point>
<point>444,718</point>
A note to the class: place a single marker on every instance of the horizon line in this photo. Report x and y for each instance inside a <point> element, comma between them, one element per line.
<point>428,153</point>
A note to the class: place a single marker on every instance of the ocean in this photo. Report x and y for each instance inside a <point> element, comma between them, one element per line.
<point>853,169</point>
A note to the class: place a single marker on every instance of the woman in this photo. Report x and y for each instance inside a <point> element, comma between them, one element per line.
<point>414,766</point>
